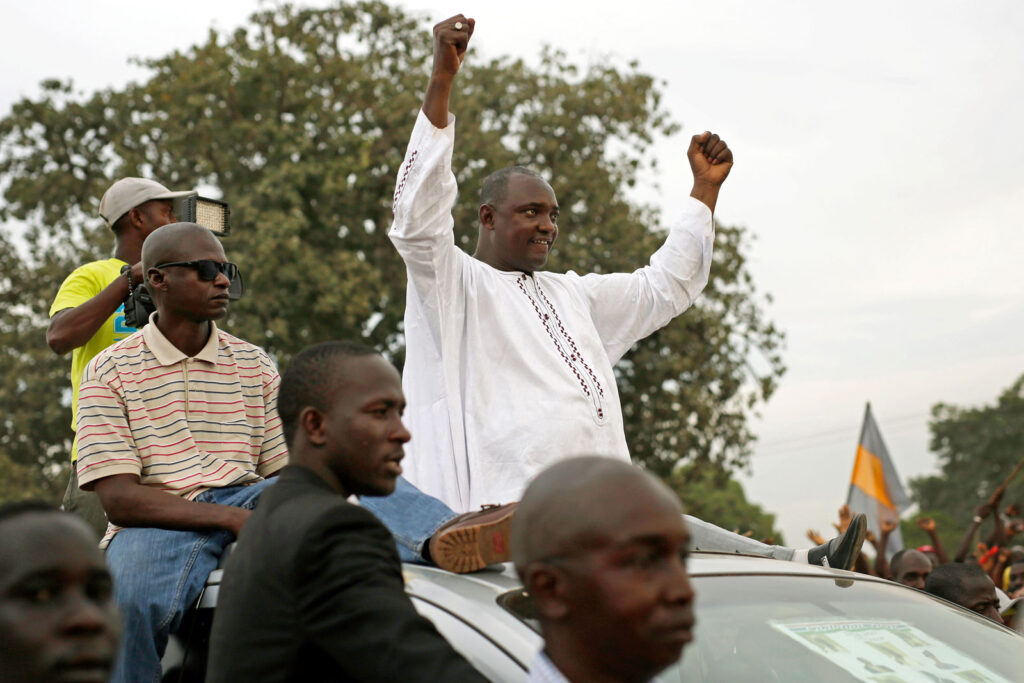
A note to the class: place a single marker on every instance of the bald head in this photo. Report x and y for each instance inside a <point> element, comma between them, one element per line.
<point>601,548</point>
<point>184,284</point>
<point>578,503</point>
<point>911,568</point>
<point>176,242</point>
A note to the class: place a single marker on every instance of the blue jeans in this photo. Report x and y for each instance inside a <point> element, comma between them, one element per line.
<point>158,574</point>
<point>411,516</point>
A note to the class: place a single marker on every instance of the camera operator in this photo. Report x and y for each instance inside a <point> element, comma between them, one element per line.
<point>88,313</point>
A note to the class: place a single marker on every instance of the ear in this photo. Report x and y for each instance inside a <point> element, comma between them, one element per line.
<point>487,216</point>
<point>547,585</point>
<point>155,280</point>
<point>313,424</point>
<point>136,219</point>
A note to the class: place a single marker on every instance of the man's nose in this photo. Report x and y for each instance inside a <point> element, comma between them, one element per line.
<point>677,584</point>
<point>402,433</point>
<point>85,615</point>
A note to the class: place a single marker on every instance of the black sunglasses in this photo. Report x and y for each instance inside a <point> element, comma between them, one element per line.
<point>207,271</point>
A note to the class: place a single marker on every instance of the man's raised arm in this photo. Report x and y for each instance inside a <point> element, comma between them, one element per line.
<point>451,38</point>
<point>425,189</point>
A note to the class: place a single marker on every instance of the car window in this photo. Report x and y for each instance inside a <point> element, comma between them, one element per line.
<point>482,653</point>
<point>779,628</point>
<point>788,628</point>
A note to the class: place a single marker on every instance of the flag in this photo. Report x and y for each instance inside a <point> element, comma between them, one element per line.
<point>875,488</point>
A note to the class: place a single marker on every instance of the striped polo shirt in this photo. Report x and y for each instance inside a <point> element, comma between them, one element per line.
<point>182,425</point>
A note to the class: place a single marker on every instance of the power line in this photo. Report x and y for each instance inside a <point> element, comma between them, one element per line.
<point>834,435</point>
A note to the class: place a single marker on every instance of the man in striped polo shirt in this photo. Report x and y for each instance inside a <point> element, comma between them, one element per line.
<point>177,434</point>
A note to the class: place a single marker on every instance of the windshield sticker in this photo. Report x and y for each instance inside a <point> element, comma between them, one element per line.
<point>887,651</point>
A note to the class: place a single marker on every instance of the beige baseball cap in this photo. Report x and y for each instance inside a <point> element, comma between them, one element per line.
<point>127,193</point>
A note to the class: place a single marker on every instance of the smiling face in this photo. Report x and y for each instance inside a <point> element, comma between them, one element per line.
<point>58,621</point>
<point>517,234</point>
<point>362,434</point>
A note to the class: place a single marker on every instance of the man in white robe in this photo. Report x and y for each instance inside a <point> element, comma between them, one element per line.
<point>509,368</point>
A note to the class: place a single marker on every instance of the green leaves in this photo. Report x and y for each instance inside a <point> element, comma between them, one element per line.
<point>977,448</point>
<point>299,120</point>
<point>710,494</point>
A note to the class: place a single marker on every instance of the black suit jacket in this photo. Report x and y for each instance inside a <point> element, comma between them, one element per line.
<point>314,592</point>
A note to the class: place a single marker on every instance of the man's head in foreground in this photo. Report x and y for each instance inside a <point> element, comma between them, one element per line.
<point>518,220</point>
<point>187,273</point>
<point>911,568</point>
<point>601,548</point>
<point>341,407</point>
<point>968,586</point>
<point>58,621</point>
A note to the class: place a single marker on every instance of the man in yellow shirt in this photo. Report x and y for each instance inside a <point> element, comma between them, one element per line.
<point>87,314</point>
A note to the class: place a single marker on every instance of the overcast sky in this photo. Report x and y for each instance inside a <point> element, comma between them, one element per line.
<point>879,163</point>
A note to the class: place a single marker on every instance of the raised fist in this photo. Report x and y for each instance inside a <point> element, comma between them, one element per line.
<point>710,158</point>
<point>927,524</point>
<point>451,38</point>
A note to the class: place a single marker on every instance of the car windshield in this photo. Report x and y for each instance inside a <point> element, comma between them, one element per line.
<point>788,628</point>
<point>770,628</point>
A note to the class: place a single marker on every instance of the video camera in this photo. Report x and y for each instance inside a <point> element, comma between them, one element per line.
<point>212,214</point>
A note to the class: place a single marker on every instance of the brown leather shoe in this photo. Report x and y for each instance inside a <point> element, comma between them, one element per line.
<point>474,540</point>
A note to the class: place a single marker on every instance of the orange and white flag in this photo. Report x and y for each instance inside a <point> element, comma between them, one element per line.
<point>875,488</point>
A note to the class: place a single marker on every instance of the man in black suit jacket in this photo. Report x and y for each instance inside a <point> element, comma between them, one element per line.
<point>314,590</point>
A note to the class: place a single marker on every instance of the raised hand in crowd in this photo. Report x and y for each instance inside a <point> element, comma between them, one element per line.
<point>844,519</point>
<point>815,537</point>
<point>980,513</point>
<point>881,561</point>
<point>927,525</point>
<point>998,536</point>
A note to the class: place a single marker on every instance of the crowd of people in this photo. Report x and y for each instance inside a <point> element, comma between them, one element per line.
<point>187,438</point>
<point>986,577</point>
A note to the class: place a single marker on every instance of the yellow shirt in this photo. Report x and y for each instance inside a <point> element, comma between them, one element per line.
<point>83,284</point>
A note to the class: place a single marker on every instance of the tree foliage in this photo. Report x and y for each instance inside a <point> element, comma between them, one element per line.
<point>299,120</point>
<point>977,448</point>
<point>710,494</point>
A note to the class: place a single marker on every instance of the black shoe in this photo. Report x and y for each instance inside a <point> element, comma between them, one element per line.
<point>842,551</point>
